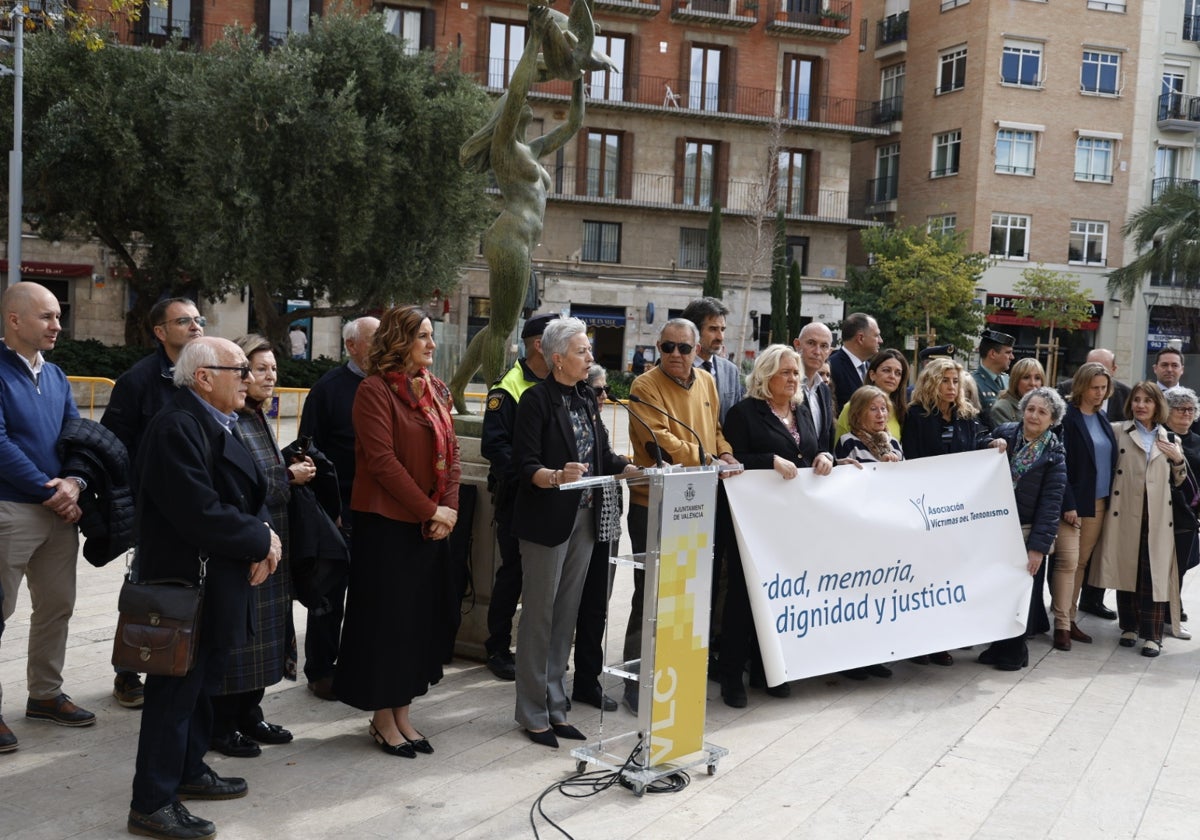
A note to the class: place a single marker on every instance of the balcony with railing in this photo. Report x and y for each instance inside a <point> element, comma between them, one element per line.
<point>739,14</point>
<point>883,190</point>
<point>666,191</point>
<point>709,100</point>
<point>809,18</point>
<point>629,7</point>
<point>888,110</point>
<point>1179,112</point>
<point>1160,185</point>
<point>892,29</point>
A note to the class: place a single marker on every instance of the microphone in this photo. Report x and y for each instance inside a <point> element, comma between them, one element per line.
<point>652,447</point>
<point>704,460</point>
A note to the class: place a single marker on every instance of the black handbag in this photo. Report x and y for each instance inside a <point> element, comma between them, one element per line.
<point>159,625</point>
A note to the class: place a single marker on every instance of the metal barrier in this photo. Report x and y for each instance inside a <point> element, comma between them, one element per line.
<point>87,385</point>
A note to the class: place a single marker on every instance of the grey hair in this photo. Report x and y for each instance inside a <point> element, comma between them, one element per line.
<point>1181,397</point>
<point>1056,404</point>
<point>353,330</point>
<point>195,355</point>
<point>679,322</point>
<point>594,373</point>
<point>558,333</point>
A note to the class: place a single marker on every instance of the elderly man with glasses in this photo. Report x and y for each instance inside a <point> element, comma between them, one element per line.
<point>136,397</point>
<point>684,396</point>
<point>200,511</point>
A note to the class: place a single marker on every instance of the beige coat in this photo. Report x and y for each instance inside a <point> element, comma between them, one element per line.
<point>1115,561</point>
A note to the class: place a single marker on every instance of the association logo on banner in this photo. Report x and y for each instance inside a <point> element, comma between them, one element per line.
<point>954,513</point>
<point>915,570</point>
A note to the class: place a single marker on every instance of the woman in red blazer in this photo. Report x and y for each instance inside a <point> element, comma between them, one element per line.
<point>405,503</point>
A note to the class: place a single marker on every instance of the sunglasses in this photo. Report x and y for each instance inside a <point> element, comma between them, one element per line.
<point>669,347</point>
<point>243,371</point>
<point>601,390</point>
<point>185,321</point>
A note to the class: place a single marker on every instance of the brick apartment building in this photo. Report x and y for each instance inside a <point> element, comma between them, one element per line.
<point>714,100</point>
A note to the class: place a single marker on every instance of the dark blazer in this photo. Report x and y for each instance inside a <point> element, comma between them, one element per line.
<point>845,376</point>
<point>825,439</point>
<point>1082,469</point>
<point>757,436</point>
<point>922,434</point>
<point>1116,403</point>
<point>544,439</point>
<point>201,493</point>
<point>1039,492</point>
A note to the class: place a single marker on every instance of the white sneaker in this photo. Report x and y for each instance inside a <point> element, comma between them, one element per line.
<point>1182,633</point>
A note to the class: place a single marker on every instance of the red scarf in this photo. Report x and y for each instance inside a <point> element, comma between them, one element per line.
<point>426,393</point>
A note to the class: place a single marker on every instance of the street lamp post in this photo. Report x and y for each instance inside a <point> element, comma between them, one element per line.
<point>15,162</point>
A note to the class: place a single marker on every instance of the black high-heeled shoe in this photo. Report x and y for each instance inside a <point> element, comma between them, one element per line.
<point>405,750</point>
<point>421,745</point>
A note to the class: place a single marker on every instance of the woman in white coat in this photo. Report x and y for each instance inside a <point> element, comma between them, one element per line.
<point>1136,555</point>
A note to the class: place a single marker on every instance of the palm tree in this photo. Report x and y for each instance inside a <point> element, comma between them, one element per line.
<point>1166,234</point>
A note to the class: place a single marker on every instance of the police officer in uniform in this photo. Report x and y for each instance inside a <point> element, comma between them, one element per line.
<point>499,419</point>
<point>991,377</point>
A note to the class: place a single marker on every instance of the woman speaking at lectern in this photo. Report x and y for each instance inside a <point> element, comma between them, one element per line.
<point>559,439</point>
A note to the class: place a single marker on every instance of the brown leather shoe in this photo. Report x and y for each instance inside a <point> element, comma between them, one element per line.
<point>8,741</point>
<point>59,710</point>
<point>1078,635</point>
<point>1062,639</point>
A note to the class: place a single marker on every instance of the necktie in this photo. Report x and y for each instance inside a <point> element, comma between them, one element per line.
<point>707,365</point>
<point>862,370</point>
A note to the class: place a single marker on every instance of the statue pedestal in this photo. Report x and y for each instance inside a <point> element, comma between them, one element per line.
<point>485,555</point>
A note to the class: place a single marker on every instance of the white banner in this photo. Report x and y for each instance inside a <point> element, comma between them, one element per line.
<point>882,563</point>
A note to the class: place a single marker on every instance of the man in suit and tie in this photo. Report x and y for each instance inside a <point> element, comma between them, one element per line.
<point>708,314</point>
<point>199,507</point>
<point>861,340</point>
<point>814,344</point>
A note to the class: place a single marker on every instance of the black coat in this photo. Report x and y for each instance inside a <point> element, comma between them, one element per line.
<point>201,494</point>
<point>317,552</point>
<point>1082,469</point>
<point>544,439</point>
<point>139,394</point>
<point>922,434</point>
<point>97,455</point>
<point>1039,492</point>
<point>844,375</point>
<point>757,436</point>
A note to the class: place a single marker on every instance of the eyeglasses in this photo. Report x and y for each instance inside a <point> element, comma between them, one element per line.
<point>185,321</point>
<point>669,347</point>
<point>601,390</point>
<point>1183,410</point>
<point>243,371</point>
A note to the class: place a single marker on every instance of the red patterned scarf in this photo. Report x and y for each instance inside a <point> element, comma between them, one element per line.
<point>426,393</point>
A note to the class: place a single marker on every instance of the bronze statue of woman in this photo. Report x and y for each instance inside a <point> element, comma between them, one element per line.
<point>523,182</point>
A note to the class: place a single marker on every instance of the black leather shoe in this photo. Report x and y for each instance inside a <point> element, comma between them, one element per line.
<point>267,733</point>
<point>170,822</point>
<point>593,696</point>
<point>566,730</point>
<point>209,785</point>
<point>1097,609</point>
<point>503,665</point>
<point>545,738</point>
<point>8,741</point>
<point>59,710</point>
<point>781,690</point>
<point>733,692</point>
<point>879,670</point>
<point>235,745</point>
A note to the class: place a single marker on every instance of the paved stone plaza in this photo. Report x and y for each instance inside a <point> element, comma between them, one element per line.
<point>1096,743</point>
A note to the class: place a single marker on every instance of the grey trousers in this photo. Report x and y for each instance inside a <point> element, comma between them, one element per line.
<point>552,582</point>
<point>41,548</point>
